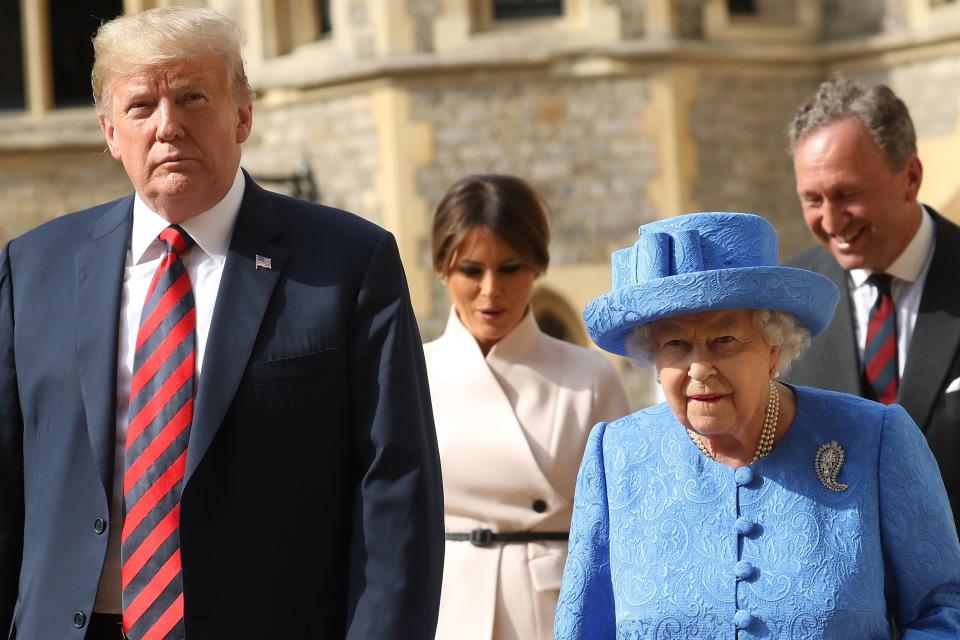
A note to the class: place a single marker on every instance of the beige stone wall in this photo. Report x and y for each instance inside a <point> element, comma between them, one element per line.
<point>37,186</point>
<point>845,19</point>
<point>334,132</point>
<point>897,14</point>
<point>779,12</point>
<point>362,28</point>
<point>738,123</point>
<point>689,16</point>
<point>423,13</point>
<point>632,14</point>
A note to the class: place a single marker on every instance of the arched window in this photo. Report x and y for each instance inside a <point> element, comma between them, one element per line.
<point>556,317</point>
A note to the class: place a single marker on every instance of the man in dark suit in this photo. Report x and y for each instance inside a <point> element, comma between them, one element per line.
<point>214,414</point>
<point>896,333</point>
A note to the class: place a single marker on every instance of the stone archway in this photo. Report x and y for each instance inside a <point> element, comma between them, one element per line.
<point>556,317</point>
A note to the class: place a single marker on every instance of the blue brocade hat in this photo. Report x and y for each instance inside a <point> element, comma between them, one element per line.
<point>704,262</point>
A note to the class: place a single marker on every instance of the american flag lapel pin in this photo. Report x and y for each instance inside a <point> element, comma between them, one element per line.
<point>264,262</point>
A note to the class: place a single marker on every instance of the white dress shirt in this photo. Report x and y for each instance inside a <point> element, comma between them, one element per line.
<point>909,273</point>
<point>211,230</point>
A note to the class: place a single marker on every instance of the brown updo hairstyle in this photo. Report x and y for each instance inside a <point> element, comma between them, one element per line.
<point>506,205</point>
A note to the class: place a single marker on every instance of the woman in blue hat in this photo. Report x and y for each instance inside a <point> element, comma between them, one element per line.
<point>743,507</point>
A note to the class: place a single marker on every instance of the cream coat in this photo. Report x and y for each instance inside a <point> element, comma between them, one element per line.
<point>512,428</point>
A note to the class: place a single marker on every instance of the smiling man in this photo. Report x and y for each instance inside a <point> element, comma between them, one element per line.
<point>214,413</point>
<point>895,336</point>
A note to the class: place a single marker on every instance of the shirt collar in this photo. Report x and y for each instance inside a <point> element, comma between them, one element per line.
<point>909,264</point>
<point>211,230</point>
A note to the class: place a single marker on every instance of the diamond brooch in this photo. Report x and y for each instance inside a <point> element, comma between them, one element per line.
<point>828,464</point>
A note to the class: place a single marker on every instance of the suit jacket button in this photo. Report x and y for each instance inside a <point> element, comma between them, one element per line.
<point>99,525</point>
<point>539,506</point>
<point>79,619</point>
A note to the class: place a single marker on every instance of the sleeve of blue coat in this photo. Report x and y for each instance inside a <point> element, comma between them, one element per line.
<point>585,610</point>
<point>396,548</point>
<point>920,547</point>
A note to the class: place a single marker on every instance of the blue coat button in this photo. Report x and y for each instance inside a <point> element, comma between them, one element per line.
<point>742,619</point>
<point>745,526</point>
<point>743,476</point>
<point>743,570</point>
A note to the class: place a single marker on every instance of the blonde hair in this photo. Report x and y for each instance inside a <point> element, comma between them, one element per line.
<point>133,42</point>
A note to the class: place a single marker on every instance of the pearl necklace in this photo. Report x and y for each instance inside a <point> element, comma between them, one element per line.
<point>770,417</point>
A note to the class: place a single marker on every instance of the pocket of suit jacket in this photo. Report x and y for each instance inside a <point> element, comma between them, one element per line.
<point>308,364</point>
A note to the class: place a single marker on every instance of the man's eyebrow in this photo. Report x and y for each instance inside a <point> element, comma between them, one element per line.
<point>188,82</point>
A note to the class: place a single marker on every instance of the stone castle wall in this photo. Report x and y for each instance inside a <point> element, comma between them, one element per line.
<point>739,122</point>
<point>39,186</point>
<point>334,134</point>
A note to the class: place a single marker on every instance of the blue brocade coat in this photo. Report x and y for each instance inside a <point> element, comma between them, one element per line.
<point>666,543</point>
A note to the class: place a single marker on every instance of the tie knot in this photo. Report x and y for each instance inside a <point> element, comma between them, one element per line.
<point>176,239</point>
<point>882,281</point>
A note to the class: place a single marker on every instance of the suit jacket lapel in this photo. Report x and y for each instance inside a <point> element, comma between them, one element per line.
<point>936,335</point>
<point>837,353</point>
<point>242,301</point>
<point>98,314</point>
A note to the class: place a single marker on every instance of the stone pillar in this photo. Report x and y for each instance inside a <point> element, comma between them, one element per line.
<point>37,62</point>
<point>668,117</point>
<point>404,145</point>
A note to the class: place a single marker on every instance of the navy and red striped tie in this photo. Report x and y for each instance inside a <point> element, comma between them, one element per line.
<point>161,412</point>
<point>880,355</point>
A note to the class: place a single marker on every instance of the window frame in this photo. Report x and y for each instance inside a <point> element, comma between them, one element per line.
<point>720,24</point>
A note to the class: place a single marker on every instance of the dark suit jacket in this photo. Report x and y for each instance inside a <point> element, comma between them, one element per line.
<point>832,362</point>
<point>312,503</point>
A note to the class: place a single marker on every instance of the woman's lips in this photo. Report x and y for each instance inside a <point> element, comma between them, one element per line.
<point>490,313</point>
<point>707,397</point>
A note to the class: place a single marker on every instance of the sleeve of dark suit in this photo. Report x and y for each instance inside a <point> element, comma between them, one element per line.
<point>11,456</point>
<point>396,554</point>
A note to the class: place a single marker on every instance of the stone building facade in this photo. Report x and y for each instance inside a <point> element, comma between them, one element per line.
<point>617,111</point>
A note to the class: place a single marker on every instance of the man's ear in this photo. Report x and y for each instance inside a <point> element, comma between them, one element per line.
<point>914,171</point>
<point>244,121</point>
<point>106,126</point>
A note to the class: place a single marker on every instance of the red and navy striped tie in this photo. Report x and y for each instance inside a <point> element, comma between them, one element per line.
<point>880,355</point>
<point>161,411</point>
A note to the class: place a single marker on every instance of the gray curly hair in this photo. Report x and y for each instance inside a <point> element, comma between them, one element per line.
<point>884,115</point>
<point>779,329</point>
